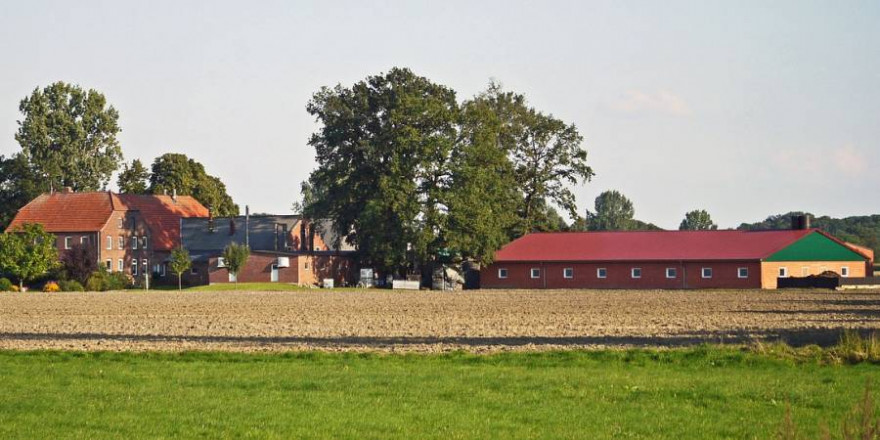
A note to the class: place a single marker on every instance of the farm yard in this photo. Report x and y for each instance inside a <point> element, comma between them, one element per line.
<point>426,321</point>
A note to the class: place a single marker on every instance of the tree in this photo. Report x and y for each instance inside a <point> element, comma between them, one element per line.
<point>179,263</point>
<point>697,220</point>
<point>27,252</point>
<point>235,256</point>
<point>18,186</point>
<point>68,135</point>
<point>382,152</point>
<point>175,172</point>
<point>133,179</point>
<point>546,155</point>
<point>614,212</point>
<point>79,262</point>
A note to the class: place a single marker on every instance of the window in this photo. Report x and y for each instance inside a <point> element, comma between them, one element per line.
<point>109,264</point>
<point>134,268</point>
<point>121,242</point>
<point>144,242</point>
<point>193,271</point>
<point>146,264</point>
<point>134,242</point>
<point>121,222</point>
<point>671,272</point>
<point>636,272</point>
<point>84,240</point>
<point>502,273</point>
<point>306,265</point>
<point>66,242</point>
<point>536,273</point>
<point>109,242</point>
<point>805,271</point>
<point>568,272</point>
<point>120,265</point>
<point>601,272</point>
<point>707,272</point>
<point>844,271</point>
<point>162,269</point>
<point>783,272</point>
<point>233,278</point>
<point>742,272</point>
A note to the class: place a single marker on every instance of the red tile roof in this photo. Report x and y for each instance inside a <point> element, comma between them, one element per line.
<point>67,212</point>
<point>162,214</point>
<point>648,245</point>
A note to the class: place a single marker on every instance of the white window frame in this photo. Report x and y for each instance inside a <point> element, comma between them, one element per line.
<point>502,273</point>
<point>782,272</point>
<point>109,242</point>
<point>844,271</point>
<point>162,269</point>
<point>703,272</point>
<point>233,278</point>
<point>134,268</point>
<point>568,273</point>
<point>121,222</point>
<point>739,272</point>
<point>532,273</point>
<point>134,242</point>
<point>144,241</point>
<point>67,242</point>
<point>108,263</point>
<point>146,264</point>
<point>193,270</point>
<point>673,271</point>
<point>120,265</point>
<point>602,272</point>
<point>121,242</point>
<point>84,239</point>
<point>632,273</point>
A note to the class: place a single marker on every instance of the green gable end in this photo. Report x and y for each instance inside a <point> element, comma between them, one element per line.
<point>816,247</point>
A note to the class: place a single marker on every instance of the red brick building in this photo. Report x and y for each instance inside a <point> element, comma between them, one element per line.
<point>130,233</point>
<point>670,259</point>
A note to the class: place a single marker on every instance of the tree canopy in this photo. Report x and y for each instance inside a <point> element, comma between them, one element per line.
<point>613,212</point>
<point>18,186</point>
<point>27,253</point>
<point>861,230</point>
<point>134,179</point>
<point>68,135</point>
<point>235,256</point>
<point>176,172</point>
<point>179,263</point>
<point>697,220</point>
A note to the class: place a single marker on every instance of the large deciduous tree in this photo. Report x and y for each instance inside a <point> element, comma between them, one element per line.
<point>19,184</point>
<point>382,153</point>
<point>175,172</point>
<point>613,212</point>
<point>27,253</point>
<point>697,220</point>
<point>69,136</point>
<point>134,179</point>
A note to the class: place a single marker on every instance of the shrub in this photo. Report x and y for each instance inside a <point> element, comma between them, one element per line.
<point>5,285</point>
<point>118,281</point>
<point>51,286</point>
<point>102,281</point>
<point>14,288</point>
<point>70,286</point>
<point>853,348</point>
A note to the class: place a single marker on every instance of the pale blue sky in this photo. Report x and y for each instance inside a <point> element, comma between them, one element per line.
<point>745,109</point>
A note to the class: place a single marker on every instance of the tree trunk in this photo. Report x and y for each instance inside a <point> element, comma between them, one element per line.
<point>20,285</point>
<point>179,282</point>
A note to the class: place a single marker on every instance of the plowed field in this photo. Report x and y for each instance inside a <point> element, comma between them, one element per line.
<point>425,321</point>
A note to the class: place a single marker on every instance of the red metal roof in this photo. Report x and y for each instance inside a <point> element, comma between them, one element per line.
<point>67,212</point>
<point>162,214</point>
<point>648,245</point>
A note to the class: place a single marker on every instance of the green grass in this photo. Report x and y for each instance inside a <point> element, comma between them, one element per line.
<point>695,393</point>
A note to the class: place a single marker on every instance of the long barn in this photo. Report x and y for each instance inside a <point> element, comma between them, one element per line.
<point>671,259</point>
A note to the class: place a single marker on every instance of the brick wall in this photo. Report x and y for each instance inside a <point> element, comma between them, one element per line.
<point>258,269</point>
<point>806,268</point>
<point>315,268</point>
<point>619,276</point>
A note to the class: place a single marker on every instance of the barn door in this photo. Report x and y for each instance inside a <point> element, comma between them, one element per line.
<point>274,277</point>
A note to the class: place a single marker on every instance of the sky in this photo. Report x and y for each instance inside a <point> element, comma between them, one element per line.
<point>745,109</point>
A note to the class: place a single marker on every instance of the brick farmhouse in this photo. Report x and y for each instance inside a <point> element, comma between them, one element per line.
<point>671,259</point>
<point>129,233</point>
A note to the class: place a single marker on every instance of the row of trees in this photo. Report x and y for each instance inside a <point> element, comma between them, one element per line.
<point>69,138</point>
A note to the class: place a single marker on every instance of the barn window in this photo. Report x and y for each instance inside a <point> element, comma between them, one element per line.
<point>601,272</point>
<point>502,273</point>
<point>742,272</point>
<point>783,272</point>
<point>568,272</point>
<point>844,271</point>
<point>707,272</point>
<point>671,272</point>
<point>536,273</point>
<point>637,272</point>
<point>66,242</point>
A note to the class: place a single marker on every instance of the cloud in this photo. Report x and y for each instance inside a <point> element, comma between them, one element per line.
<point>845,160</point>
<point>850,160</point>
<point>663,101</point>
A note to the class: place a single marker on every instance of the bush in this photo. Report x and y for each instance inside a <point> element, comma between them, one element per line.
<point>71,286</point>
<point>5,285</point>
<point>102,281</point>
<point>14,288</point>
<point>51,286</point>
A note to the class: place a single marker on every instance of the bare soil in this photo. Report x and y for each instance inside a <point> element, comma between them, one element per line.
<point>381,320</point>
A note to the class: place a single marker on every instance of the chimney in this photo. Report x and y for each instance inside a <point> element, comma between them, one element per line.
<point>800,222</point>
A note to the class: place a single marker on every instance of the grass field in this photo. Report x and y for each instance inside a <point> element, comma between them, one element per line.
<point>697,393</point>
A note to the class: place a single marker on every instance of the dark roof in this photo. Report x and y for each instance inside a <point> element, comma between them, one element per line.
<point>266,232</point>
<point>648,245</point>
